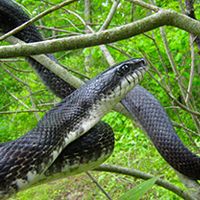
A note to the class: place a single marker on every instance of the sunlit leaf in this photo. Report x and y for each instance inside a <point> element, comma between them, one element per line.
<point>139,190</point>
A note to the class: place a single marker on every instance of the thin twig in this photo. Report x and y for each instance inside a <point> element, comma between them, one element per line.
<point>184,127</point>
<point>191,70</point>
<point>78,29</point>
<point>17,99</point>
<point>57,30</point>
<point>110,15</point>
<point>11,74</point>
<point>15,114</point>
<point>11,60</point>
<point>15,60</point>
<point>31,21</point>
<point>171,60</point>
<point>21,111</point>
<point>145,5</point>
<point>61,36</point>
<point>120,50</point>
<point>98,185</point>
<point>176,101</point>
<point>21,98</point>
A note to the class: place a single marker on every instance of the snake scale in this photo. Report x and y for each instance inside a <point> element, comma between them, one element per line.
<point>30,160</point>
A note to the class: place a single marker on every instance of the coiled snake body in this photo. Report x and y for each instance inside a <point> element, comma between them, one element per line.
<point>31,158</point>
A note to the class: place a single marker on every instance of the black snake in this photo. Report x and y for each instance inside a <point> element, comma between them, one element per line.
<point>17,169</point>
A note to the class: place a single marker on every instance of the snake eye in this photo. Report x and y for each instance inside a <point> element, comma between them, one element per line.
<point>143,62</point>
<point>123,70</point>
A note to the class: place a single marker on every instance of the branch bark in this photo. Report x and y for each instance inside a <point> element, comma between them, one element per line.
<point>145,176</point>
<point>161,18</point>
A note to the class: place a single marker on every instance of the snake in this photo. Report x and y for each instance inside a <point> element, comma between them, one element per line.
<point>70,138</point>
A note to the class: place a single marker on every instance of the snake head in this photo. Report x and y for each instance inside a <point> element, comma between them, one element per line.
<point>117,81</point>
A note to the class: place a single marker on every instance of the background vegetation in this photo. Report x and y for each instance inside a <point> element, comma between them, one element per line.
<point>168,50</point>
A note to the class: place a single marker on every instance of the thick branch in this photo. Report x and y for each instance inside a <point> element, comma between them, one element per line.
<point>163,17</point>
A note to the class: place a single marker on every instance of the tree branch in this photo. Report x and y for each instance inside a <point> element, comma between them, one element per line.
<point>21,111</point>
<point>145,176</point>
<point>110,16</point>
<point>31,21</point>
<point>163,17</point>
<point>98,185</point>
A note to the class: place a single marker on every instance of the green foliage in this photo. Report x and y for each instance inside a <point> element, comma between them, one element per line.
<point>139,190</point>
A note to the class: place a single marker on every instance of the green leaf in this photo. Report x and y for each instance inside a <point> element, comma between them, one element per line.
<point>139,190</point>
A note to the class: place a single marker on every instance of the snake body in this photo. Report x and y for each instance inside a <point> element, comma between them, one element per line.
<point>25,159</point>
<point>155,122</point>
<point>15,176</point>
